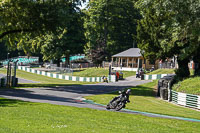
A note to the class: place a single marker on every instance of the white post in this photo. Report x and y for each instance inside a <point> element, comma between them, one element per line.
<point>121,63</point>
<point>132,62</point>
<point>112,61</point>
<point>127,62</point>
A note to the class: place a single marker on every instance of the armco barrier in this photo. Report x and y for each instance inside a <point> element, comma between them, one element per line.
<point>60,76</point>
<point>187,100</point>
<point>154,76</point>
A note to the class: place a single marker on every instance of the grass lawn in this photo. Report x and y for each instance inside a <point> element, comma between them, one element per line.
<point>143,99</point>
<point>162,71</point>
<point>98,72</point>
<point>167,71</point>
<point>190,86</point>
<point>44,80</point>
<point>26,117</point>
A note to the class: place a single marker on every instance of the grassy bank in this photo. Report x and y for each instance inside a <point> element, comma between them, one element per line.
<point>25,117</point>
<point>190,86</point>
<point>167,71</point>
<point>143,99</point>
<point>162,71</point>
<point>98,72</point>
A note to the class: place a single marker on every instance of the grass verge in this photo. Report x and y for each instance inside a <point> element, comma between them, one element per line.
<point>162,71</point>
<point>143,99</point>
<point>167,71</point>
<point>190,86</point>
<point>26,117</point>
<point>99,72</point>
<point>44,81</point>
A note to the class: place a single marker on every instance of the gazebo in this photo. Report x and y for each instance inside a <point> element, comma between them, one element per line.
<point>130,60</point>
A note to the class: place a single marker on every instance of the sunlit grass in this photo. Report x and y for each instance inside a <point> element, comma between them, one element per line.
<point>190,86</point>
<point>143,99</point>
<point>99,72</point>
<point>43,80</point>
<point>25,117</point>
<point>162,71</point>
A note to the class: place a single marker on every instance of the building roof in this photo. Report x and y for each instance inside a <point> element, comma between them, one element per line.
<point>132,52</point>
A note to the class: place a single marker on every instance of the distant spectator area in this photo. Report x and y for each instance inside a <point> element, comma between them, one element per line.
<point>22,60</point>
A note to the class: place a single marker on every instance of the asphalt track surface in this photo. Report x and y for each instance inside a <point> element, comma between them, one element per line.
<point>68,95</point>
<point>73,95</point>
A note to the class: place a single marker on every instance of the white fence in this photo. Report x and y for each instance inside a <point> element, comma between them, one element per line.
<point>187,100</point>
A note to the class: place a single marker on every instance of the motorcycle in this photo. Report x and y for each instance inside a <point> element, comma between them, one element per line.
<point>119,102</point>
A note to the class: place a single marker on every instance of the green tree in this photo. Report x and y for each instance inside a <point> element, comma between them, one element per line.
<point>98,54</point>
<point>71,41</point>
<point>31,20</point>
<point>113,21</point>
<point>188,24</point>
<point>31,25</point>
<point>165,31</point>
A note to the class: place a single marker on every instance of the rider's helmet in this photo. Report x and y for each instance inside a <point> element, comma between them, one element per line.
<point>128,91</point>
<point>122,92</point>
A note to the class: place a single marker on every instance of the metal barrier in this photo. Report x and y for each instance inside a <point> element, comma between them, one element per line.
<point>187,100</point>
<point>154,76</point>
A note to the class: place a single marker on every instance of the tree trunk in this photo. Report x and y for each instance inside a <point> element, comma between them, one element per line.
<point>58,62</point>
<point>183,69</point>
<point>67,59</point>
<point>196,60</point>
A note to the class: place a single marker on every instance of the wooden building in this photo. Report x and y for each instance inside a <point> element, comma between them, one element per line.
<point>131,60</point>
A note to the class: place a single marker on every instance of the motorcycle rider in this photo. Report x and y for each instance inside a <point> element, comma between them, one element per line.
<point>122,94</point>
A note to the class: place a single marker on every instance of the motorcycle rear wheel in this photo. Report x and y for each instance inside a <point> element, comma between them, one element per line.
<point>120,106</point>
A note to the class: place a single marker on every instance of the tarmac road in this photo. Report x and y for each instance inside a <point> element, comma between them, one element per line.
<point>68,95</point>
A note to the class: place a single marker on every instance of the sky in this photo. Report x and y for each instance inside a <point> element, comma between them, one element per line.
<point>84,5</point>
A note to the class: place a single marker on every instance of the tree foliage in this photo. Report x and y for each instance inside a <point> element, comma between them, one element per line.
<point>169,28</point>
<point>35,17</point>
<point>112,20</point>
<point>71,40</point>
<point>98,54</point>
<point>47,26</point>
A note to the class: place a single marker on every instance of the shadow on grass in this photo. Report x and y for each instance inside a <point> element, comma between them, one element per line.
<point>13,103</point>
<point>139,91</point>
<point>143,91</point>
<point>78,70</point>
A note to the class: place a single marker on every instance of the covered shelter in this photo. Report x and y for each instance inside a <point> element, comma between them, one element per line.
<point>131,60</point>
